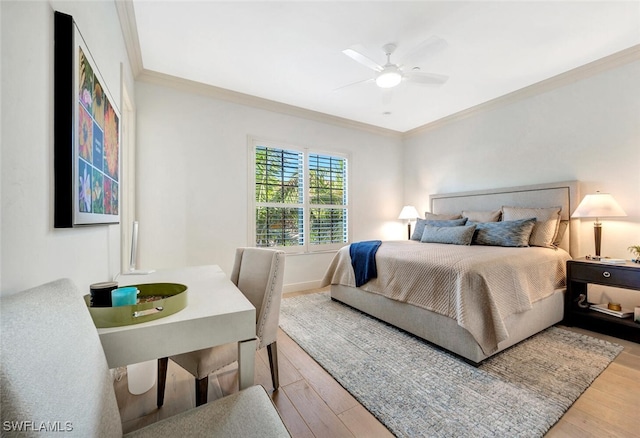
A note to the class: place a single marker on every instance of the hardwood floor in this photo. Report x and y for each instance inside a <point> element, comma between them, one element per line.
<point>312,404</point>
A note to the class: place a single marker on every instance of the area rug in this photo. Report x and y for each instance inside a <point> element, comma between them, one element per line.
<point>416,389</point>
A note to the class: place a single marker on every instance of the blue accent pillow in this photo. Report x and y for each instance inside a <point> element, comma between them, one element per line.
<point>452,235</point>
<point>504,233</point>
<point>421,223</point>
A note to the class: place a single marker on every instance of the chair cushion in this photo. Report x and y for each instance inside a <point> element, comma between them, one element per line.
<point>53,365</point>
<point>248,413</point>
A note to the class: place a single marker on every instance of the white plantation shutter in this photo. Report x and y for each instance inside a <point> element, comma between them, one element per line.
<point>327,199</point>
<point>279,195</point>
<point>287,215</point>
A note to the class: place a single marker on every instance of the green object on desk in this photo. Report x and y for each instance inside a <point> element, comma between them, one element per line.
<point>164,299</point>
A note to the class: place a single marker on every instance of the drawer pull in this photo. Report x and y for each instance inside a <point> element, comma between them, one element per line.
<point>606,274</point>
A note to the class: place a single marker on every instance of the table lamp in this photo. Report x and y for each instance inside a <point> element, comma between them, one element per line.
<point>408,213</point>
<point>598,205</point>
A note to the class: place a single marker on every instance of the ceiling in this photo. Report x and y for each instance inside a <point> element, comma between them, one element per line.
<point>291,52</point>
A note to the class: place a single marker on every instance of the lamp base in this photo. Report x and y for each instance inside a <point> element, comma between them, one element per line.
<point>409,231</point>
<point>597,235</point>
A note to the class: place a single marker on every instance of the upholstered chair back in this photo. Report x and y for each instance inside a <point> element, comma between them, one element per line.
<point>258,273</point>
<point>54,371</point>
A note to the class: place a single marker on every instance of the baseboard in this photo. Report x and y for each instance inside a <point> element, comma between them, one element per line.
<point>298,287</point>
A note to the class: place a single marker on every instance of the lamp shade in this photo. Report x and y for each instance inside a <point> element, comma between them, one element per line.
<point>408,212</point>
<point>598,205</point>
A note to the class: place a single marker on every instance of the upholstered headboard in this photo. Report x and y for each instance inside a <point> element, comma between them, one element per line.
<point>562,194</point>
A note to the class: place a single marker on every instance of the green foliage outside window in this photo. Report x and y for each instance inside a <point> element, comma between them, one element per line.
<point>280,199</point>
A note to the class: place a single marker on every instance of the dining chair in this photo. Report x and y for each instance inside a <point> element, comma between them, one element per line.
<point>258,273</point>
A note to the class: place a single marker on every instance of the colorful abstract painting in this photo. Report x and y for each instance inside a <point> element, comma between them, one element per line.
<point>98,148</point>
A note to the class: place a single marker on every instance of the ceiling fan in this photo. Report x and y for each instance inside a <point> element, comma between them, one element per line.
<point>390,74</point>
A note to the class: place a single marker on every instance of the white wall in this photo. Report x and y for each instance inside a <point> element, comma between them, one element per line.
<point>588,131</point>
<point>193,179</point>
<point>33,252</point>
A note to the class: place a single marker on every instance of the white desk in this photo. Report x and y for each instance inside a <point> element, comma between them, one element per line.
<point>216,313</point>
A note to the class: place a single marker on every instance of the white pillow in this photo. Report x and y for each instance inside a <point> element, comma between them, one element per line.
<point>441,217</point>
<point>482,216</point>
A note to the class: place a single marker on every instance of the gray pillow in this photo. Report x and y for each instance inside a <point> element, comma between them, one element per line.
<point>505,233</point>
<point>451,235</point>
<point>420,224</point>
<point>546,226</point>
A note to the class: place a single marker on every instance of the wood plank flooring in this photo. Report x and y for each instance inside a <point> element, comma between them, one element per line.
<point>313,404</point>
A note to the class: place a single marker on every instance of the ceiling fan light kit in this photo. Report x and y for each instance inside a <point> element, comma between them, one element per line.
<point>389,78</point>
<point>390,75</point>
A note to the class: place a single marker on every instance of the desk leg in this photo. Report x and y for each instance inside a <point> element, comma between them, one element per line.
<point>246,362</point>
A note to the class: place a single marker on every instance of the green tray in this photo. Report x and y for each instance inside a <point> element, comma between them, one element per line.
<point>172,297</point>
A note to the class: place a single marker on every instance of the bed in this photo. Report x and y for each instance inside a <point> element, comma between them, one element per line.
<point>472,300</point>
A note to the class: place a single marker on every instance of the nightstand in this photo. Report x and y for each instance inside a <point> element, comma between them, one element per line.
<point>580,272</point>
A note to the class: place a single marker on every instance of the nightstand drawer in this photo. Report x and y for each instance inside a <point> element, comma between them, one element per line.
<point>608,275</point>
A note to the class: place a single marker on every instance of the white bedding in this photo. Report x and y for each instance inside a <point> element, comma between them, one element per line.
<point>478,286</point>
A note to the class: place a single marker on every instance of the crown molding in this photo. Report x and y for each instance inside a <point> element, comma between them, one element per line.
<point>127,17</point>
<point>585,71</point>
<point>189,86</point>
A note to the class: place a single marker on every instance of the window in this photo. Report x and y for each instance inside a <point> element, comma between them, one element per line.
<point>279,197</point>
<point>299,199</point>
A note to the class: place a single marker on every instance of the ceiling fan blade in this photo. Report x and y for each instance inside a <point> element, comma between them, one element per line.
<point>354,83</point>
<point>425,78</point>
<point>429,46</point>
<point>360,58</point>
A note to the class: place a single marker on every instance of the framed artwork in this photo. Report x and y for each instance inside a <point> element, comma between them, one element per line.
<point>86,135</point>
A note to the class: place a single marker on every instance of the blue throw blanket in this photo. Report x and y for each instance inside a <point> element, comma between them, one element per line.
<point>363,260</point>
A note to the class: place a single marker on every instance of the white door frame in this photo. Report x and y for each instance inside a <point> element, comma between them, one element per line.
<point>128,212</point>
